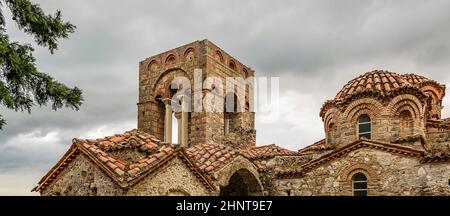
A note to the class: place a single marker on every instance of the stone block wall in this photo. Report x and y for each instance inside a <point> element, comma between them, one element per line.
<point>172,179</point>
<point>387,173</point>
<point>82,178</point>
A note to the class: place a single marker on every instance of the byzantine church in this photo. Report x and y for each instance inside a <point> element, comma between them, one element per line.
<point>384,135</point>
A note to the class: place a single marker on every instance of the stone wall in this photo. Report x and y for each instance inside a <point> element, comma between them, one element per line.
<point>155,75</point>
<point>388,174</point>
<point>172,179</point>
<point>82,178</point>
<point>388,124</point>
<point>157,72</point>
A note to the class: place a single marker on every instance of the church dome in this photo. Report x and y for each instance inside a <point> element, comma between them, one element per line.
<point>379,81</point>
<point>385,84</point>
<point>415,79</point>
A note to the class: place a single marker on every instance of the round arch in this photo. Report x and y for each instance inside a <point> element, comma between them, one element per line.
<point>242,183</point>
<point>405,99</point>
<point>164,86</point>
<point>369,106</point>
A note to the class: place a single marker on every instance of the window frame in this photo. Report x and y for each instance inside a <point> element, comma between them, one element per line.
<point>360,181</point>
<point>361,134</point>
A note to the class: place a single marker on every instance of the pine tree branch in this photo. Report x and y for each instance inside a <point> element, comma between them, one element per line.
<point>20,81</point>
<point>46,29</point>
<point>21,84</point>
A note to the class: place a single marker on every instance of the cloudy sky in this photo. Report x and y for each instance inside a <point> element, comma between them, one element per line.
<point>315,47</point>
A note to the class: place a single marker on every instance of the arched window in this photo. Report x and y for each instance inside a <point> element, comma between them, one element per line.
<point>406,123</point>
<point>218,56</point>
<point>359,184</point>
<point>365,127</point>
<point>232,65</point>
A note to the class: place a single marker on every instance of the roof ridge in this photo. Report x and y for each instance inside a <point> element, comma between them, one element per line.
<point>347,148</point>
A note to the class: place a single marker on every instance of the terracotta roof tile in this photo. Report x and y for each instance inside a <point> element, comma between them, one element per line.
<point>320,145</point>
<point>384,82</point>
<point>414,78</point>
<point>266,151</point>
<point>156,153</point>
<point>380,81</point>
<point>209,158</point>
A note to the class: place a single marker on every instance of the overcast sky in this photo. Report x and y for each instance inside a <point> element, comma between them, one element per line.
<point>315,47</point>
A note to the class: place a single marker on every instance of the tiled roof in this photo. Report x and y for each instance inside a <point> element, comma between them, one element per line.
<point>125,173</point>
<point>383,85</point>
<point>259,154</point>
<point>414,78</point>
<point>154,150</point>
<point>203,159</point>
<point>267,151</point>
<point>379,81</point>
<point>382,82</point>
<point>209,158</point>
<point>317,146</point>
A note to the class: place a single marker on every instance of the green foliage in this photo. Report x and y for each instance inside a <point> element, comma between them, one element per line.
<point>21,84</point>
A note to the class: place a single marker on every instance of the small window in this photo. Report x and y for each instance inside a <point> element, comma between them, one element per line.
<point>232,65</point>
<point>365,127</point>
<point>359,182</point>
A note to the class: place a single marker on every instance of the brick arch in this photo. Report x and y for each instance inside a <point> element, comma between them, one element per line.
<point>438,92</point>
<point>171,58</point>
<point>219,56</point>
<point>153,65</point>
<point>407,107</point>
<point>232,64</point>
<point>348,172</point>
<point>369,106</point>
<point>433,94</point>
<point>434,98</point>
<point>330,115</point>
<point>162,87</point>
<point>188,52</point>
<point>402,100</point>
<point>330,120</point>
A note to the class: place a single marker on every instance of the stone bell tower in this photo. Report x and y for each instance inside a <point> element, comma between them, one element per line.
<point>198,62</point>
